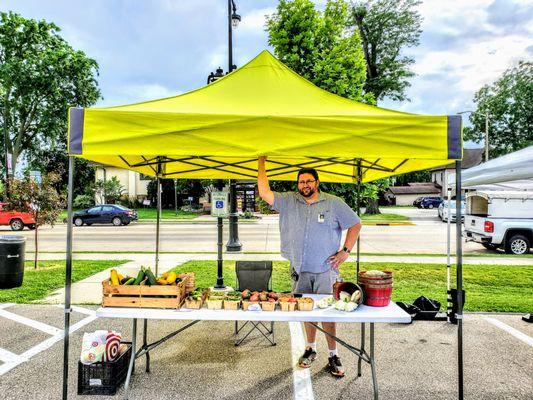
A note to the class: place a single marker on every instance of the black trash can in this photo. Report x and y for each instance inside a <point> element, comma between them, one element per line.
<point>12,250</point>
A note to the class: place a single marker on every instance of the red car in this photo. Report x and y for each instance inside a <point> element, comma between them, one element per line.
<point>17,220</point>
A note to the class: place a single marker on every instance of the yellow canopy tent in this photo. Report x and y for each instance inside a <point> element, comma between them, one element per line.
<point>262,108</point>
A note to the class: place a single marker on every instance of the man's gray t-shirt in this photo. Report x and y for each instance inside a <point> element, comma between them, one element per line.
<point>311,233</point>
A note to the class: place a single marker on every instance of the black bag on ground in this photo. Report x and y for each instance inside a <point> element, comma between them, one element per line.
<point>410,309</point>
<point>428,308</point>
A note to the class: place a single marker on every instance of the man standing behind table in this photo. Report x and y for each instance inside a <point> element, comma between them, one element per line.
<point>311,225</point>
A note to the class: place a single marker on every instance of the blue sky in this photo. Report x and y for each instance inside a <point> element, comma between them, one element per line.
<point>156,48</point>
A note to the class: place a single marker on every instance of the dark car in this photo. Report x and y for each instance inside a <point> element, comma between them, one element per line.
<point>431,202</point>
<point>417,202</point>
<point>105,214</point>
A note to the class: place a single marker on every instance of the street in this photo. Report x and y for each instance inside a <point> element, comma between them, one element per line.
<point>427,236</point>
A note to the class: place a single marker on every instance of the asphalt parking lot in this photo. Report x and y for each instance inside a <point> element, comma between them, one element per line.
<point>416,361</point>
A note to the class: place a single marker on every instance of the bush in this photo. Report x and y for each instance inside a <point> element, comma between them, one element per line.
<point>129,202</point>
<point>264,207</point>
<point>83,201</point>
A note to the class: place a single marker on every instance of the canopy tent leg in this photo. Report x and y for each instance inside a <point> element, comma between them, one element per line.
<point>459,272</point>
<point>68,276</point>
<point>158,218</point>
<point>359,179</point>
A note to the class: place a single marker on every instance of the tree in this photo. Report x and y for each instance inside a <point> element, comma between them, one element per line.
<point>42,200</point>
<point>316,45</point>
<point>195,188</point>
<point>41,76</point>
<point>509,105</point>
<point>386,27</point>
<point>109,191</point>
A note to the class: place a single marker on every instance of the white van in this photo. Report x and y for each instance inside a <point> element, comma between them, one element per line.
<point>500,219</point>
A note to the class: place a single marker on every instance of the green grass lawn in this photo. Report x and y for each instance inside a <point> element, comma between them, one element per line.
<point>50,276</point>
<point>386,217</point>
<point>488,287</point>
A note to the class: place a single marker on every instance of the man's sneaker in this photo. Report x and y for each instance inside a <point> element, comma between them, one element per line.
<point>308,357</point>
<point>334,367</point>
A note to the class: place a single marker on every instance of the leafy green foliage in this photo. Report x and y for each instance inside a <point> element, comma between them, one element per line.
<point>316,45</point>
<point>41,200</point>
<point>109,191</point>
<point>41,76</point>
<point>195,188</point>
<point>509,105</point>
<point>83,201</point>
<point>386,27</point>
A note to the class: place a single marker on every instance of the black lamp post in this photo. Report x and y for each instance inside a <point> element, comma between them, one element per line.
<point>233,242</point>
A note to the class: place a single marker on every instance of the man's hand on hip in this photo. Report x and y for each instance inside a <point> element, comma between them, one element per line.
<point>337,259</point>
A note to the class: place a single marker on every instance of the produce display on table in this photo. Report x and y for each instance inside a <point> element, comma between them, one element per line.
<point>145,290</point>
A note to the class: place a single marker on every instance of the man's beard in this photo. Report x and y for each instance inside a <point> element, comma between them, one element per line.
<point>307,192</point>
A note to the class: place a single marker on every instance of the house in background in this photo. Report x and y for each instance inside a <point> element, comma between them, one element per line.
<point>135,184</point>
<point>471,158</point>
<point>405,195</point>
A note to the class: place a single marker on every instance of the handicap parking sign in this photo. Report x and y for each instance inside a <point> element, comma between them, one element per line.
<point>220,207</point>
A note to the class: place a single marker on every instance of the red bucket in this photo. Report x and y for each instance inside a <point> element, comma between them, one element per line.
<point>378,289</point>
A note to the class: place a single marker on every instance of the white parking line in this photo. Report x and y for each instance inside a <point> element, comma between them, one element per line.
<point>8,357</point>
<point>515,332</point>
<point>303,388</point>
<point>5,305</point>
<point>51,330</point>
<point>15,360</point>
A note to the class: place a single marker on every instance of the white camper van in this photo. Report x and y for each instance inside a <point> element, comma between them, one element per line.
<point>500,219</point>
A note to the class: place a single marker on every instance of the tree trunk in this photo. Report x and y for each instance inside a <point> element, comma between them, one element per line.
<point>372,207</point>
<point>36,246</point>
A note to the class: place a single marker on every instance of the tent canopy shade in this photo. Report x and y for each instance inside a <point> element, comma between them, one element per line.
<point>262,108</point>
<point>508,168</point>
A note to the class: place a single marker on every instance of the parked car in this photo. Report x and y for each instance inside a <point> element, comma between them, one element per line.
<point>105,214</point>
<point>15,219</point>
<point>417,202</point>
<point>500,219</point>
<point>444,212</point>
<point>430,202</point>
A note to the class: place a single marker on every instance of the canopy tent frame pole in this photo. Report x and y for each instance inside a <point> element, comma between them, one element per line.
<point>359,179</point>
<point>459,272</point>
<point>68,277</point>
<point>158,219</point>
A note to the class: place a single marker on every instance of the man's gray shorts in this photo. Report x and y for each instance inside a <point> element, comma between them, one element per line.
<point>309,282</point>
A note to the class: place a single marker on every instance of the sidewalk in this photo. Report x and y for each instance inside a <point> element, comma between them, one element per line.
<point>88,291</point>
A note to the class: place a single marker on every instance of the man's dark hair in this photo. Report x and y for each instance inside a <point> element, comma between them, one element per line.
<point>311,171</point>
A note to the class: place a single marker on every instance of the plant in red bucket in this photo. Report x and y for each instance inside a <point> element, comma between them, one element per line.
<point>377,286</point>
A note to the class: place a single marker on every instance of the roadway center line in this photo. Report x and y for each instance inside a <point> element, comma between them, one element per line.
<point>303,388</point>
<point>51,330</point>
<point>515,332</point>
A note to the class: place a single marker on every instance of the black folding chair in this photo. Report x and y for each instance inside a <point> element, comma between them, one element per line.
<point>254,276</point>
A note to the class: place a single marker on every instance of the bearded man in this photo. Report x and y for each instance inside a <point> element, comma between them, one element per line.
<point>311,224</point>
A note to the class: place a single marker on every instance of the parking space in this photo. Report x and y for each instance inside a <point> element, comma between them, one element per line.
<point>416,361</point>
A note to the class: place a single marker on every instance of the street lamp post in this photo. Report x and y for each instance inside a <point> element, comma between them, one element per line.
<point>486,115</point>
<point>233,242</point>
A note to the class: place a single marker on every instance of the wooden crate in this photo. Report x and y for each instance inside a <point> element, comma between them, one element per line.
<point>143,296</point>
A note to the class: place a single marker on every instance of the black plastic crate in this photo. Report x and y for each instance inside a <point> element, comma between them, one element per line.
<point>103,378</point>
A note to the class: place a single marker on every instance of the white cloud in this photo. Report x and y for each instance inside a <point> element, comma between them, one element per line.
<point>135,93</point>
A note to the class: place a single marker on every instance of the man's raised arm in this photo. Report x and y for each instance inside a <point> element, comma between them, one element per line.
<point>262,182</point>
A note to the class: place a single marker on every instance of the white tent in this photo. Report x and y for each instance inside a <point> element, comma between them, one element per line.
<point>506,170</point>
